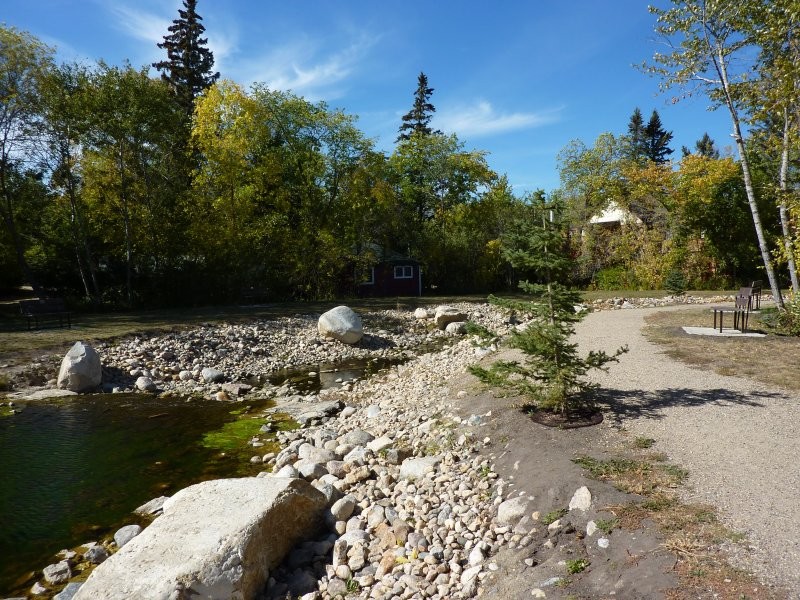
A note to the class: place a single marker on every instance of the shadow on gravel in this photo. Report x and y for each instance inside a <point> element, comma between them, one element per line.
<point>650,404</point>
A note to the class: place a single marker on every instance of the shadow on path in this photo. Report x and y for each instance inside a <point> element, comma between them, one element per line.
<point>650,404</point>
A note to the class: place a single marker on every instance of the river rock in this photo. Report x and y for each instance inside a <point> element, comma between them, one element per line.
<point>421,313</point>
<point>152,507</point>
<point>80,369</point>
<point>581,499</point>
<point>512,510</point>
<point>145,384</point>
<point>68,593</point>
<point>201,547</point>
<point>212,375</point>
<point>447,314</point>
<point>416,468</point>
<point>126,534</point>
<point>57,573</point>
<point>95,554</point>
<point>456,328</point>
<point>341,323</point>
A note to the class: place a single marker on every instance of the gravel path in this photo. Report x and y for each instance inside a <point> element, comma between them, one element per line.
<point>738,438</point>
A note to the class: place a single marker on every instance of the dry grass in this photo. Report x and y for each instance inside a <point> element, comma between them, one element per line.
<point>772,360</point>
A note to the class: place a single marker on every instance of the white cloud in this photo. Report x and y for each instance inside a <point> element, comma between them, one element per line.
<point>306,68</point>
<point>481,118</point>
<point>141,25</point>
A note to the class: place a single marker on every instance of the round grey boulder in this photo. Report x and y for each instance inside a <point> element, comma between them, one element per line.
<point>126,534</point>
<point>80,369</point>
<point>341,323</point>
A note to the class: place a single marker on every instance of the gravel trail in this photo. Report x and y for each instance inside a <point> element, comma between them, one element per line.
<point>739,439</point>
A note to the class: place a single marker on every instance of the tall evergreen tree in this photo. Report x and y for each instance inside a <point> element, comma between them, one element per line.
<point>189,65</point>
<point>418,119</point>
<point>637,149</point>
<point>656,140</point>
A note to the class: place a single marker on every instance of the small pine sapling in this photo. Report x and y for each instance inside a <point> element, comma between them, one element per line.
<point>553,374</point>
<point>675,282</point>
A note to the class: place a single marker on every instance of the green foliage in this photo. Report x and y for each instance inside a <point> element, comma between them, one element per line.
<point>644,442</point>
<point>615,278</point>
<point>553,516</point>
<point>675,282</point>
<point>553,375</point>
<point>417,120</point>
<point>476,329</point>
<point>577,565</point>
<point>189,66</point>
<point>607,525</point>
<point>789,319</point>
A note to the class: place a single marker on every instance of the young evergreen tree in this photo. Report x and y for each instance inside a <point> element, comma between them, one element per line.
<point>656,140</point>
<point>553,375</point>
<point>189,66</point>
<point>637,149</point>
<point>418,119</point>
<point>705,147</point>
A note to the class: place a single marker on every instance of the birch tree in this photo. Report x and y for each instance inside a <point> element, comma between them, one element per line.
<point>708,51</point>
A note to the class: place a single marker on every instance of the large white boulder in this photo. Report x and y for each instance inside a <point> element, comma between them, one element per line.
<point>341,323</point>
<point>217,539</point>
<point>80,369</point>
<point>448,314</point>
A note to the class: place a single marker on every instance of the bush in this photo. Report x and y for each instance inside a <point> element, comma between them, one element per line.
<point>789,319</point>
<point>615,278</point>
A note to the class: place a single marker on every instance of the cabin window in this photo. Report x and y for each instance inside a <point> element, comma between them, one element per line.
<point>366,277</point>
<point>403,272</point>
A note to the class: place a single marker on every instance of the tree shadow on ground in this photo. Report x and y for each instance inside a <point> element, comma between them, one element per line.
<point>650,404</point>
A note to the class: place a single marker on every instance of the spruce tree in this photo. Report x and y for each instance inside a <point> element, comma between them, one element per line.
<point>705,147</point>
<point>656,140</point>
<point>637,149</point>
<point>418,119</point>
<point>189,65</point>
<point>553,375</point>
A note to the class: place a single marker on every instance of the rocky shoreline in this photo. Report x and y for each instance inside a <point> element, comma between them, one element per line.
<point>415,508</point>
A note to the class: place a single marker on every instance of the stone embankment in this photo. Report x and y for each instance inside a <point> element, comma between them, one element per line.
<point>414,508</point>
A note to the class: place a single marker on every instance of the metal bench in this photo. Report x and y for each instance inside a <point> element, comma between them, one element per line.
<point>45,308</point>
<point>755,295</point>
<point>740,311</point>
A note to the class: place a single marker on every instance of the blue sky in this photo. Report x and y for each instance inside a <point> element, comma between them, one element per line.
<point>519,79</point>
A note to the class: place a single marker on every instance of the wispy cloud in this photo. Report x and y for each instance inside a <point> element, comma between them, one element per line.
<point>481,118</point>
<point>139,24</point>
<point>307,68</point>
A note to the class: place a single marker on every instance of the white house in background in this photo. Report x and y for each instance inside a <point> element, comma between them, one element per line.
<point>615,215</point>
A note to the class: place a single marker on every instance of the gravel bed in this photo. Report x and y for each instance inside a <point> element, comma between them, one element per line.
<point>739,439</point>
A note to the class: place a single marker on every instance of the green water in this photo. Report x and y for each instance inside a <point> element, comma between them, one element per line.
<point>72,470</point>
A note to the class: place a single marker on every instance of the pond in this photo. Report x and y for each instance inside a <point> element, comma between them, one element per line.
<point>74,469</point>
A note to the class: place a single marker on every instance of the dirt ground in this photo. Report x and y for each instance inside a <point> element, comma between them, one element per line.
<point>641,559</point>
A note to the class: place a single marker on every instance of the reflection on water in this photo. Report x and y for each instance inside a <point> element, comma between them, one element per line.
<point>72,470</point>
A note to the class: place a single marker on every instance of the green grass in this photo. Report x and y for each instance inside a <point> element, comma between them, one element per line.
<point>577,565</point>
<point>554,515</point>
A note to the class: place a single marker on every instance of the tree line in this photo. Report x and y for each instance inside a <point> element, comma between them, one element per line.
<point>121,188</point>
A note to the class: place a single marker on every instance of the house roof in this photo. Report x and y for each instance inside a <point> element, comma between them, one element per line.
<point>613,213</point>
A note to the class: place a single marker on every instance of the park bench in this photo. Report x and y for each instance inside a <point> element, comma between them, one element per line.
<point>741,310</point>
<point>755,295</point>
<point>42,309</point>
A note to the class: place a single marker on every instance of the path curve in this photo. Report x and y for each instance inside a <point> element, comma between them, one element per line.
<point>739,439</point>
